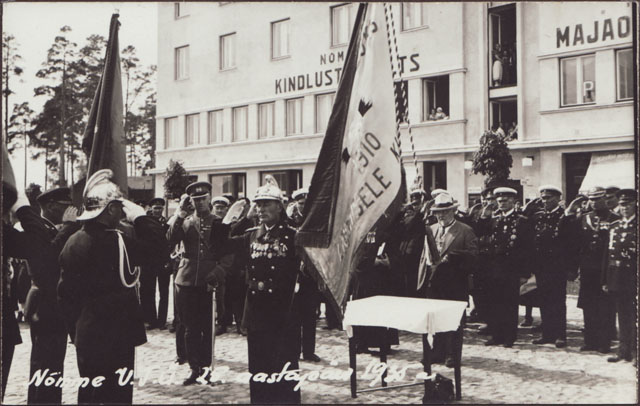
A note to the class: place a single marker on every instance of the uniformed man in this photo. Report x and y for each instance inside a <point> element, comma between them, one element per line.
<point>157,273</point>
<point>550,269</point>
<point>309,296</point>
<point>271,319</point>
<point>220,206</point>
<point>620,274</point>
<point>589,235</point>
<point>611,197</point>
<point>97,288</point>
<point>48,332</point>
<point>508,261</point>
<point>201,262</point>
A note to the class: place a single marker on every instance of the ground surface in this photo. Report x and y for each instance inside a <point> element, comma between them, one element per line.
<point>523,374</point>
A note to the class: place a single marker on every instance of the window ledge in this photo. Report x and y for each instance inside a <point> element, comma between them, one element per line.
<point>339,45</point>
<point>422,27</point>
<point>588,107</point>
<point>432,123</point>
<point>181,17</point>
<point>228,69</point>
<point>279,58</point>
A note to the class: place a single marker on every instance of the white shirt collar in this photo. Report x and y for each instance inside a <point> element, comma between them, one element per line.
<point>508,213</point>
<point>269,228</point>
<point>629,220</point>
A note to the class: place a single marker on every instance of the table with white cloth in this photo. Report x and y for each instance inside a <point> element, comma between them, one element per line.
<point>422,316</point>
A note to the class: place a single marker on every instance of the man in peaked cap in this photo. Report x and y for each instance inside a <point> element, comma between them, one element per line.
<point>97,287</point>
<point>620,275</point>
<point>202,262</point>
<point>508,261</point>
<point>48,332</point>
<point>550,253</point>
<point>220,206</point>
<point>271,319</point>
<point>589,235</point>
<point>611,197</point>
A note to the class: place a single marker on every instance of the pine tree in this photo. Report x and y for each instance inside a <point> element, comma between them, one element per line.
<point>10,68</point>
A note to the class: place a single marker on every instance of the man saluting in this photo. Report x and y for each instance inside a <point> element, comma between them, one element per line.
<point>96,288</point>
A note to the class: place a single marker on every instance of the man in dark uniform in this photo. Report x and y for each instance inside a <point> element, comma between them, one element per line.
<point>309,297</point>
<point>159,272</point>
<point>509,260</point>
<point>271,319</point>
<point>97,291</point>
<point>620,275</point>
<point>589,235</point>
<point>193,295</point>
<point>48,332</point>
<point>550,269</point>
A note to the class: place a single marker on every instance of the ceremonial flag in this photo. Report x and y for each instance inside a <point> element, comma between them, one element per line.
<point>358,182</point>
<point>103,140</point>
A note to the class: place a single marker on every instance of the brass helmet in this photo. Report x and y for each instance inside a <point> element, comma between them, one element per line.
<point>98,193</point>
<point>269,191</point>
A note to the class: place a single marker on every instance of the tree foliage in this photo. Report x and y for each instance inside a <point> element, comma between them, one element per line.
<point>492,158</point>
<point>20,125</point>
<point>10,68</point>
<point>176,180</point>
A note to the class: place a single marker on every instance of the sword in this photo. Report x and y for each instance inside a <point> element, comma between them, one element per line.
<point>213,329</point>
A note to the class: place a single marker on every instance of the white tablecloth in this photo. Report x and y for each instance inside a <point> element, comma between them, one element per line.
<point>422,316</point>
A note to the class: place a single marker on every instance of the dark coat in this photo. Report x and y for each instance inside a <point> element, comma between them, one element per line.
<point>104,316</point>
<point>449,278</point>
<point>589,238</point>
<point>551,242</point>
<point>405,250</point>
<point>621,272</point>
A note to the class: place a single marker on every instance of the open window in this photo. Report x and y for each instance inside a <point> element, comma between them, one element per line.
<point>435,98</point>
<point>502,46</point>
<point>504,118</point>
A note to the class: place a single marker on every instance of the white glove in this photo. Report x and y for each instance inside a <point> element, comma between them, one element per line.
<point>21,201</point>
<point>132,210</point>
<point>184,206</point>
<point>235,212</point>
<point>70,214</point>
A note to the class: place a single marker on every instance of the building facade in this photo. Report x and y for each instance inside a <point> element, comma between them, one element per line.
<point>246,89</point>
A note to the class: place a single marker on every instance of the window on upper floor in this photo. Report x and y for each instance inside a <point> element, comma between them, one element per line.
<point>228,184</point>
<point>192,129</point>
<point>414,15</point>
<point>180,10</point>
<point>266,120</point>
<point>324,105</point>
<point>228,51</point>
<point>181,63</point>
<point>214,127</point>
<point>280,39</point>
<point>170,132</point>
<point>240,123</point>
<point>342,20</point>
<point>435,98</point>
<point>578,80</point>
<point>294,116</point>
<point>502,46</point>
<point>288,180</point>
<point>624,74</point>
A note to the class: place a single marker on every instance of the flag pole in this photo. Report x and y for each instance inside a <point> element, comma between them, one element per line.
<point>213,332</point>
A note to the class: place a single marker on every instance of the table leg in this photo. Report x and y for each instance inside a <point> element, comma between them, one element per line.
<point>458,360</point>
<point>384,350</point>
<point>428,383</point>
<point>352,365</point>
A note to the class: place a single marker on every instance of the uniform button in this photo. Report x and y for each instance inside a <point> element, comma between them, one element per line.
<point>253,292</point>
<point>253,279</point>
<point>270,291</point>
<point>273,267</point>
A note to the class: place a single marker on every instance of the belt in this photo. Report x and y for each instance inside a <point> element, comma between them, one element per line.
<point>265,286</point>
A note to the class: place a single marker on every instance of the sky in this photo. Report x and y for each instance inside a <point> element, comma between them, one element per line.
<point>35,25</point>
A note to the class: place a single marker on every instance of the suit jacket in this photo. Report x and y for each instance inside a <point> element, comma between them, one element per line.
<point>449,277</point>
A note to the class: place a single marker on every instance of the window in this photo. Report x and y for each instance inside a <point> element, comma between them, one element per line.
<point>240,123</point>
<point>435,176</point>
<point>294,116</point>
<point>414,15</point>
<point>578,80</point>
<point>280,39</point>
<point>192,129</point>
<point>229,183</point>
<point>215,127</point>
<point>266,122</point>
<point>504,117</point>
<point>180,10</point>
<point>182,62</point>
<point>288,180</point>
<point>402,100</point>
<point>342,20</point>
<point>502,44</point>
<point>170,132</point>
<point>228,51</point>
<point>624,62</point>
<point>324,105</point>
<point>435,95</point>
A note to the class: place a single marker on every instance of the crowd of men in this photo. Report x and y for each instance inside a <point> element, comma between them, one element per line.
<point>94,276</point>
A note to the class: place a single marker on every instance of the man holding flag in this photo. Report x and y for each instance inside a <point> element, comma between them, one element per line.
<point>358,184</point>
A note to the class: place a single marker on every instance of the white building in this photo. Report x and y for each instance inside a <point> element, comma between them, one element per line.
<point>245,89</point>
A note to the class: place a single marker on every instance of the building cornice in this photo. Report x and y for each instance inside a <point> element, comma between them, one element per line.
<point>514,146</point>
<point>584,51</point>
